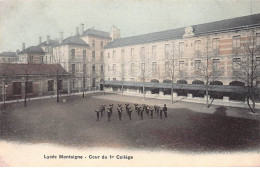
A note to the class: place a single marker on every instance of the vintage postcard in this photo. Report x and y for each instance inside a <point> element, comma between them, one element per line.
<point>129,83</point>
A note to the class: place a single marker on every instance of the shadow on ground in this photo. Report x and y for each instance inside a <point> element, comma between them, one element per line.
<point>72,122</point>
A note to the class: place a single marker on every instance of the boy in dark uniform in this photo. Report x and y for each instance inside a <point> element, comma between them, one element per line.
<point>138,110</point>
<point>142,113</point>
<point>129,112</point>
<point>161,110</point>
<point>120,110</point>
<point>151,110</point>
<point>165,110</point>
<point>109,112</point>
<point>97,111</point>
<point>136,107</point>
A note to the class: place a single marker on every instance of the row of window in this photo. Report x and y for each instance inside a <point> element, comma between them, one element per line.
<point>17,87</point>
<point>73,51</point>
<point>77,69</point>
<point>197,46</point>
<point>197,65</point>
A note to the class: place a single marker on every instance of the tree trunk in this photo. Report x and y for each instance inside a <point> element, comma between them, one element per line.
<point>122,89</point>
<point>207,94</point>
<point>58,97</point>
<point>172,92</point>
<point>25,93</point>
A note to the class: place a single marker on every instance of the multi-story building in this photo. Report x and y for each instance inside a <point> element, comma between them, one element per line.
<point>211,52</point>
<point>82,56</point>
<point>9,57</point>
<point>32,54</point>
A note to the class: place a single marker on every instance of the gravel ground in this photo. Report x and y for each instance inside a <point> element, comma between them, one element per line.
<point>72,122</point>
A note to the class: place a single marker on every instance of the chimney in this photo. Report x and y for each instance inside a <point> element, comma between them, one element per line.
<point>77,31</point>
<point>81,29</point>
<point>40,40</point>
<point>61,37</point>
<point>115,33</point>
<point>23,46</point>
<point>48,39</point>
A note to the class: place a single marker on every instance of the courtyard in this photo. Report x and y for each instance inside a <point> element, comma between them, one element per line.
<point>188,128</point>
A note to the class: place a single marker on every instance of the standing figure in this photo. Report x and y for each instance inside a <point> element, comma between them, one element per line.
<point>119,110</point>
<point>138,110</point>
<point>101,110</point>
<point>151,110</point>
<point>165,110</point>
<point>155,108</point>
<point>147,110</point>
<point>97,111</point>
<point>158,109</point>
<point>142,113</point>
<point>129,112</point>
<point>136,107</point>
<point>109,112</point>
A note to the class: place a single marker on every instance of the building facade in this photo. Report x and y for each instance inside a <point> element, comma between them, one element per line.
<point>9,57</point>
<point>41,80</point>
<point>82,56</point>
<point>212,52</point>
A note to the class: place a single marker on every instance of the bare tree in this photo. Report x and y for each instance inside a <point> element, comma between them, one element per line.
<point>208,70</point>
<point>247,66</point>
<point>145,66</point>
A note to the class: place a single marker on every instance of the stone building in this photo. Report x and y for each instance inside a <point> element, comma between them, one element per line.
<point>82,56</point>
<point>9,57</point>
<point>33,54</point>
<point>43,79</point>
<point>184,55</point>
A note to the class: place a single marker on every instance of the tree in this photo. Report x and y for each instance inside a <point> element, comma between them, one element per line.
<point>209,70</point>
<point>145,67</point>
<point>246,66</point>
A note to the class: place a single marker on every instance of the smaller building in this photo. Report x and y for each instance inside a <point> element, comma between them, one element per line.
<point>33,54</point>
<point>34,80</point>
<point>9,57</point>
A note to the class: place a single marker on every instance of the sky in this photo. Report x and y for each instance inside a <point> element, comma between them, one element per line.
<point>26,20</point>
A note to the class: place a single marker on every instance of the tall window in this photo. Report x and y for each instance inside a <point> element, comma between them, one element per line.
<point>122,54</point>
<point>197,45</point>
<point>236,63</point>
<point>42,59</point>
<point>258,39</point>
<point>236,41</point>
<point>72,52</point>
<point>73,69</point>
<point>93,56</point>
<point>84,55</point>
<point>114,54</point>
<point>93,68</point>
<point>101,56</point>
<point>101,43</point>
<point>17,88</point>
<point>142,52</point>
<point>167,67</point>
<point>102,68</point>
<point>197,65</point>
<point>50,85</point>
<point>154,51</point>
<point>132,70</point>
<point>215,43</point>
<point>142,67</point>
<point>167,49</point>
<point>93,43</point>
<point>108,55</point>
<point>132,54</point>
<point>215,64</point>
<point>181,48</point>
<point>29,87</point>
<point>154,67</point>
<point>31,59</point>
<point>114,67</point>
<point>181,65</point>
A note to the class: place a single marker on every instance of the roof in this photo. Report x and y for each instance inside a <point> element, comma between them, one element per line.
<point>97,33</point>
<point>179,32</point>
<point>33,50</point>
<point>52,43</point>
<point>9,69</point>
<point>75,40</point>
<point>8,54</point>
